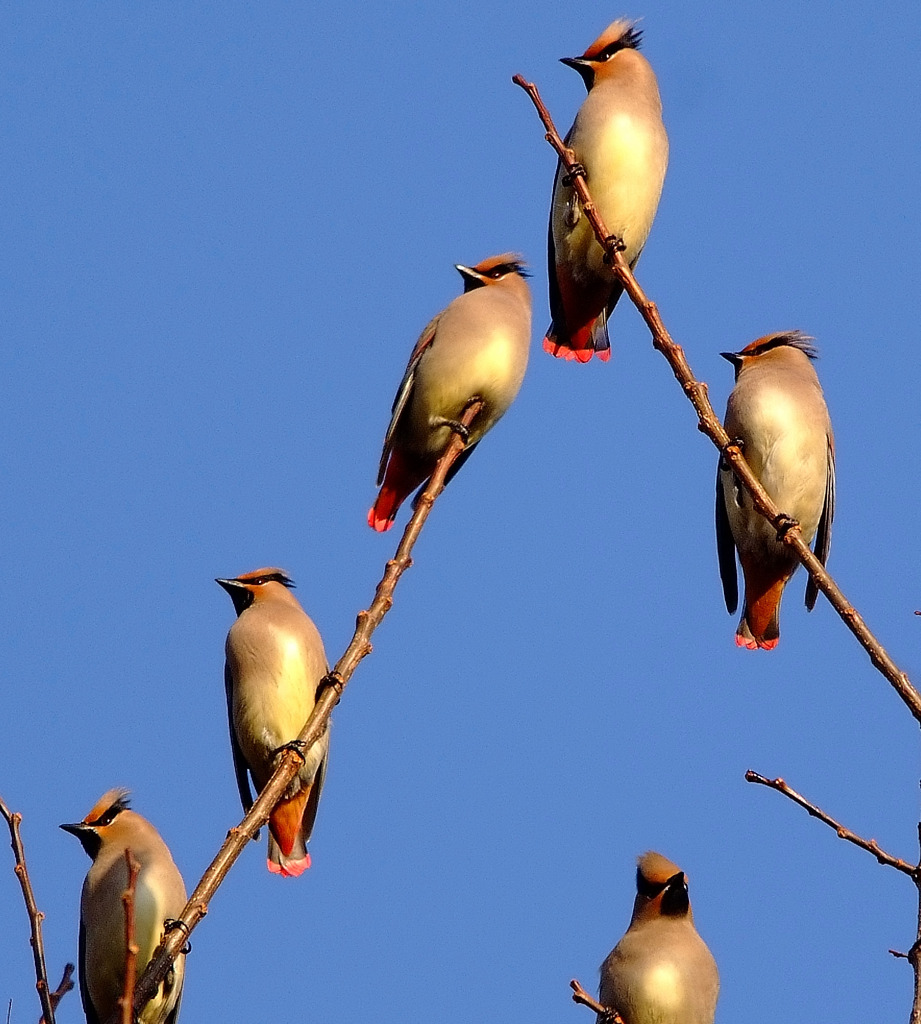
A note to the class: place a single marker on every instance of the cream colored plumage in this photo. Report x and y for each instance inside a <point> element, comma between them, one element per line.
<point>274,664</point>
<point>477,347</point>
<point>778,412</point>
<point>105,833</point>
<point>619,138</point>
<point>661,971</point>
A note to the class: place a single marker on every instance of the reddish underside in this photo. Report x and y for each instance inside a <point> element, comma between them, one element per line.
<point>581,306</point>
<point>400,480</point>
<point>763,592</point>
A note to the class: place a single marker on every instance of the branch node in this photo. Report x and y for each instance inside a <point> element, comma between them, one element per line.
<point>606,1014</point>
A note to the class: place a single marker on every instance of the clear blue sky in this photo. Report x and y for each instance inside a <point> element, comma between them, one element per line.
<point>224,226</point>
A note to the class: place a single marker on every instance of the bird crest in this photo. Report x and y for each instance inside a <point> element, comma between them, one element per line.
<point>782,339</point>
<point>270,574</point>
<point>108,807</point>
<point>619,35</point>
<point>505,263</point>
<point>656,869</point>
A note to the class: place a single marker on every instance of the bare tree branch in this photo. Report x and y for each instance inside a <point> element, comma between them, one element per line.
<point>13,820</point>
<point>608,1015</point>
<point>65,985</point>
<point>126,1000</point>
<point>870,845</point>
<point>329,692</point>
<point>787,528</point>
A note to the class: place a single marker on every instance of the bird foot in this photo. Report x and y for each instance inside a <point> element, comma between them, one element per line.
<point>613,243</point>
<point>785,525</point>
<point>733,442</point>
<point>457,427</point>
<point>576,171</point>
<point>171,924</point>
<point>296,746</point>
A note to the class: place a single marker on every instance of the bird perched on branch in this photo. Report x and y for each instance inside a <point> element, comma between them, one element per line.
<point>661,971</point>
<point>274,665</point>
<point>619,140</point>
<point>475,348</point>
<point>777,413</point>
<point>105,833</point>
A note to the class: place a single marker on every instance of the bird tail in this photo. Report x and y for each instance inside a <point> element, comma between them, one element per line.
<point>760,622</point>
<point>400,480</point>
<point>580,345</point>
<point>288,854</point>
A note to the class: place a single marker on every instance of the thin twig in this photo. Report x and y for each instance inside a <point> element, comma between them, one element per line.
<point>66,984</point>
<point>787,528</point>
<point>13,820</point>
<point>579,995</point>
<point>329,691</point>
<point>126,1000</point>
<point>870,845</point>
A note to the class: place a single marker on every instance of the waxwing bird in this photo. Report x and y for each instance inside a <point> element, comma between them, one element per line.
<point>777,412</point>
<point>619,139</point>
<point>274,665</point>
<point>661,971</point>
<point>105,833</point>
<point>477,347</point>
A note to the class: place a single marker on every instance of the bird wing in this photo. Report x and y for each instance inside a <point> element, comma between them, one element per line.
<point>173,1016</point>
<point>726,549</point>
<point>556,300</point>
<point>823,534</point>
<point>401,399</point>
<point>88,1009</point>
<point>313,800</point>
<point>239,763</point>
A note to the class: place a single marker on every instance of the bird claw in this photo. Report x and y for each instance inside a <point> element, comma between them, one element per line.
<point>785,525</point>
<point>171,924</point>
<point>612,244</point>
<point>296,746</point>
<point>457,427</point>
<point>577,170</point>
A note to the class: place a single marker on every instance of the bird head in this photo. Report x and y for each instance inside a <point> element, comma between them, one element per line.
<point>661,888</point>
<point>620,35</point>
<point>492,270</point>
<point>781,342</point>
<point>255,586</point>
<point>102,821</point>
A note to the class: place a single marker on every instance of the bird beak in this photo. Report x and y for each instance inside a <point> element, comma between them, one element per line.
<point>230,586</point>
<point>472,279</point>
<point>585,68</point>
<point>88,836</point>
<point>733,358</point>
<point>77,829</point>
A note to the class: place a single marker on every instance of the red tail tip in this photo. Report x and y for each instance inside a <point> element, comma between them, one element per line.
<point>580,355</point>
<point>378,522</point>
<point>291,869</point>
<point>753,645</point>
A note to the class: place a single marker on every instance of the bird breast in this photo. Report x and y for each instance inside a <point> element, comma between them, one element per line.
<point>786,445</point>
<point>480,350</point>
<point>275,677</point>
<point>625,157</point>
